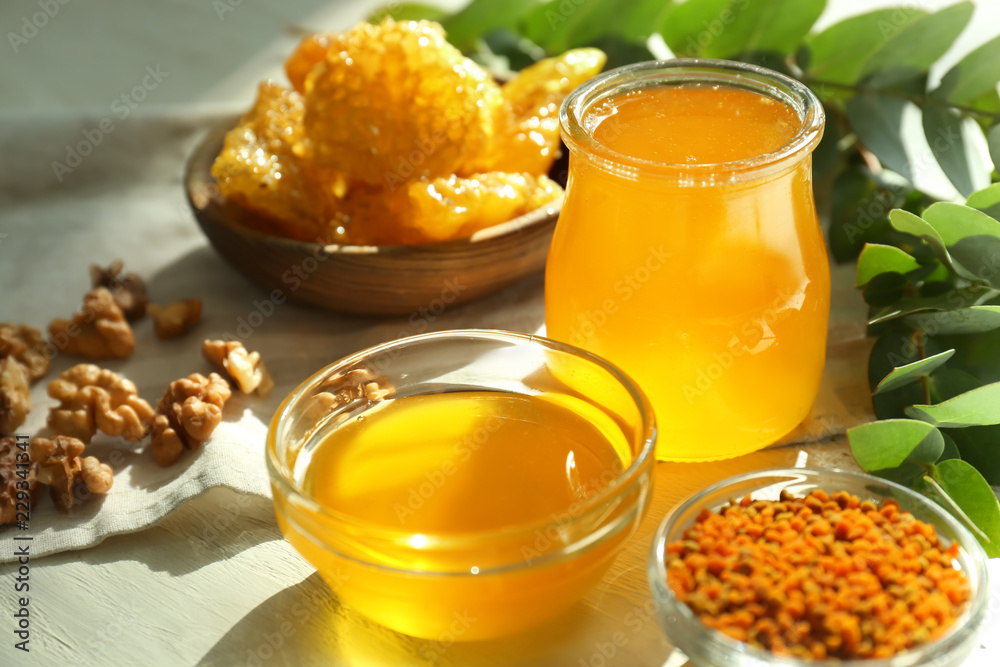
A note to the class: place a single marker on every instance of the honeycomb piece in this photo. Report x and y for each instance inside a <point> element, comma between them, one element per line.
<point>258,169</point>
<point>444,208</point>
<point>310,52</point>
<point>395,102</point>
<point>527,124</point>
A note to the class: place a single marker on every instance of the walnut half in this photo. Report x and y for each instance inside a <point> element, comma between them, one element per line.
<point>61,467</point>
<point>15,395</point>
<point>245,367</point>
<point>91,399</point>
<point>176,319</point>
<point>127,289</point>
<point>17,484</point>
<point>99,331</point>
<point>189,411</point>
<point>27,345</point>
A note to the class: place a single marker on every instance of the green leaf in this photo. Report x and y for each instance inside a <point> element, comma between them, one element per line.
<point>482,16</point>
<point>980,446</point>
<point>976,354</point>
<point>897,347</point>
<point>982,255</point>
<point>898,449</point>
<point>916,46</point>
<point>754,26</point>
<point>948,382</point>
<point>688,28</point>
<point>838,53</point>
<point>973,495</point>
<point>961,321</point>
<point>892,129</point>
<point>907,222</point>
<point>558,26</point>
<point>987,200</point>
<point>903,375</point>
<point>642,18</point>
<point>876,259</point>
<point>959,147</point>
<point>975,75</point>
<point>979,407</point>
<point>851,220</point>
<point>885,289</point>
<point>993,139</point>
<point>954,222</point>
<point>909,305</point>
<point>951,450</point>
<point>407,11</point>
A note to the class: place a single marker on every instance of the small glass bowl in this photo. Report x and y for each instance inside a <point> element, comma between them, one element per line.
<point>705,646</point>
<point>463,586</point>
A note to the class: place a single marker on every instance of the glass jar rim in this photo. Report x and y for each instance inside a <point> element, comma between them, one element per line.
<point>759,79</point>
<point>626,480</point>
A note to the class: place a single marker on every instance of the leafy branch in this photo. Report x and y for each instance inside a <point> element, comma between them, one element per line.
<point>934,368</point>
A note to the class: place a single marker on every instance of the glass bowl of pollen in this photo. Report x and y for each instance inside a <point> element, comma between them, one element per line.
<point>708,646</point>
<point>472,474</point>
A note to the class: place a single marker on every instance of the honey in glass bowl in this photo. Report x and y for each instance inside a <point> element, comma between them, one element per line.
<point>453,485</point>
<point>688,251</point>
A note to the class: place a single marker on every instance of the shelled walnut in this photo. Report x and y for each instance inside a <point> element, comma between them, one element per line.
<point>245,367</point>
<point>27,345</point>
<point>91,399</point>
<point>15,479</point>
<point>15,396</point>
<point>61,467</point>
<point>127,289</point>
<point>99,331</point>
<point>189,411</point>
<point>176,319</point>
<point>358,383</point>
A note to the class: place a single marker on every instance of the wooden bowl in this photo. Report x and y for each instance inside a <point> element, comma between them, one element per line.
<point>373,280</point>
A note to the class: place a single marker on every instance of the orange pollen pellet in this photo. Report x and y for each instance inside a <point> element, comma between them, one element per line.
<point>824,576</point>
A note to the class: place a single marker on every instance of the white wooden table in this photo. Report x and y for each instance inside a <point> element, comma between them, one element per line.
<point>214,583</point>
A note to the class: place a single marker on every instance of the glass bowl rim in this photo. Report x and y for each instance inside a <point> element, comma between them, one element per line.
<point>624,481</point>
<point>795,94</point>
<point>969,622</point>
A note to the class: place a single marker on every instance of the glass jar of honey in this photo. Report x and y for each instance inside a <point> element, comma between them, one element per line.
<point>688,250</point>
